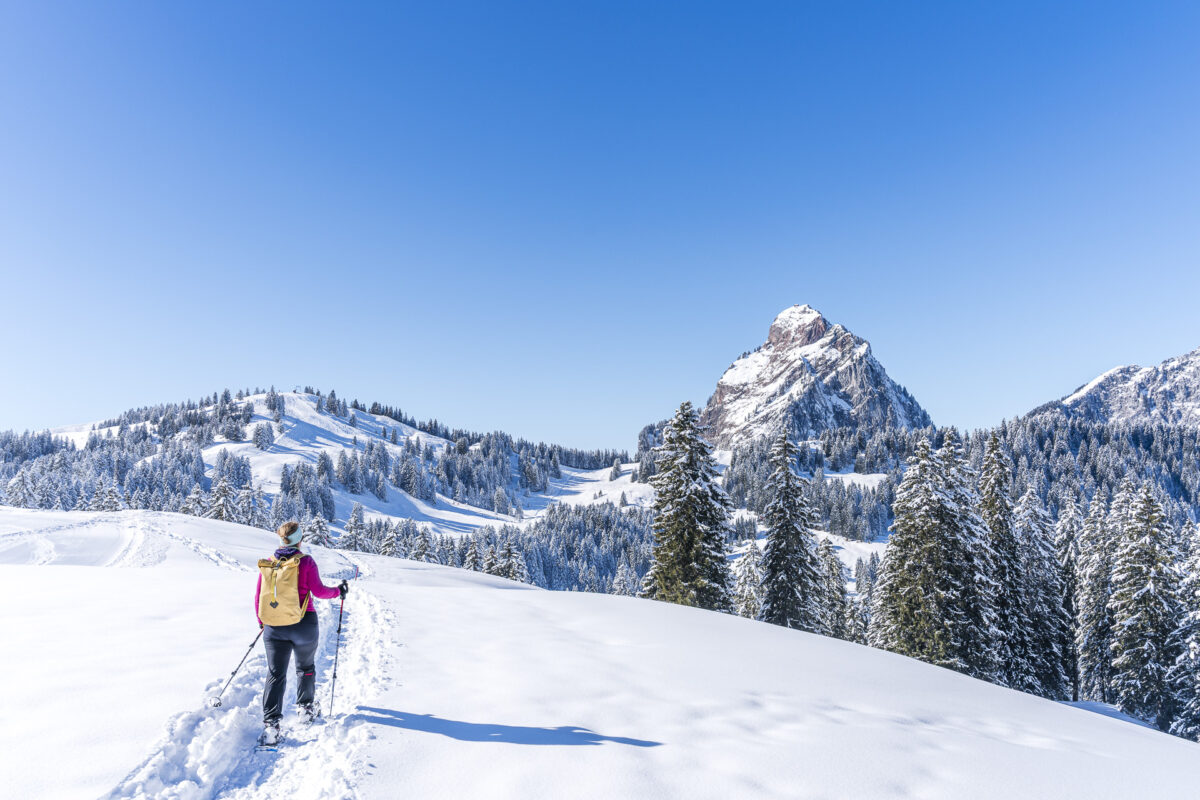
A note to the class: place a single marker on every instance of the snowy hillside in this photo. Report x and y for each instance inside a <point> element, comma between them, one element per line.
<point>456,684</point>
<point>303,433</point>
<point>1168,393</point>
<point>809,376</point>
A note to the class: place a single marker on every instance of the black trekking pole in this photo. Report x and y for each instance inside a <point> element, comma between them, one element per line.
<point>215,702</point>
<point>338,648</point>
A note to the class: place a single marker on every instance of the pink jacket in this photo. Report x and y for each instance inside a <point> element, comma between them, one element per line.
<point>309,581</point>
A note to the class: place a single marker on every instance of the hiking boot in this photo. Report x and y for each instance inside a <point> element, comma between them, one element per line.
<point>270,734</point>
<point>308,713</point>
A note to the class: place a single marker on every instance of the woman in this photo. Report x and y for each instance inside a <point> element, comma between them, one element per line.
<point>282,639</point>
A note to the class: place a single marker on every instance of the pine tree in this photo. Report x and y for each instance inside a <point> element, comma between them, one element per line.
<point>1066,548</point>
<point>195,504</point>
<point>996,509</point>
<point>856,621</point>
<point>969,556</point>
<point>747,574</point>
<point>471,560</point>
<point>221,505</point>
<point>512,563</point>
<point>919,608</point>
<point>112,498</point>
<point>625,581</point>
<point>390,546</point>
<point>1093,619</point>
<point>353,538</point>
<point>1146,614</point>
<point>1045,622</point>
<point>691,517</point>
<point>243,504</point>
<point>500,501</point>
<point>1185,675</point>
<point>791,577</point>
<point>318,531</point>
<point>615,472</point>
<point>490,562</point>
<point>833,590</point>
<point>422,548</point>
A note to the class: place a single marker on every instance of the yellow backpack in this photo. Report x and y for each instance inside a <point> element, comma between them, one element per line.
<point>279,595</point>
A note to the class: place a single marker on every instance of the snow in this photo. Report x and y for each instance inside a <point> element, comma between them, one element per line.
<point>868,480</point>
<point>1087,387</point>
<point>456,684</point>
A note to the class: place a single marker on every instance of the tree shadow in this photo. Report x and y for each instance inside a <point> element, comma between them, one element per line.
<point>482,732</point>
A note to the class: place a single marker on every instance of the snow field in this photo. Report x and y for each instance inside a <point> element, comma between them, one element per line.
<point>457,684</point>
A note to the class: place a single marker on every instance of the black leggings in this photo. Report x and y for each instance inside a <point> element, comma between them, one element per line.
<point>280,641</point>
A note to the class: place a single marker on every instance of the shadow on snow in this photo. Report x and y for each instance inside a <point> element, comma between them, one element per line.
<point>482,732</point>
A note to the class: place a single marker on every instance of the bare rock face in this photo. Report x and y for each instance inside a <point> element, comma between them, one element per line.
<point>1168,393</point>
<point>809,376</point>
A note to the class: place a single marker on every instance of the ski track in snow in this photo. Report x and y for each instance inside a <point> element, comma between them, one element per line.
<point>208,753</point>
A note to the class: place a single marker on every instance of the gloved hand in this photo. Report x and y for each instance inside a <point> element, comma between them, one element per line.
<point>343,588</point>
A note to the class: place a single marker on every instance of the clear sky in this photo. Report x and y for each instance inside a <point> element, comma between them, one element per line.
<point>562,219</point>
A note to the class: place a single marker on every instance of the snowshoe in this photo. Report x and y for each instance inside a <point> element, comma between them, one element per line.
<point>271,736</point>
<point>308,714</point>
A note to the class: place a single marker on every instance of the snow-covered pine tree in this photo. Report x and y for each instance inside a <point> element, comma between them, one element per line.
<point>691,518</point>
<point>791,577</point>
<point>500,501</point>
<point>833,590</point>
<point>1185,676</point>
<point>390,545</point>
<point>512,563</point>
<point>471,560</point>
<point>615,472</point>
<point>195,503</point>
<point>747,576</point>
<point>969,554</point>
<point>353,538</point>
<point>856,621</point>
<point>1146,612</point>
<point>1066,548</point>
<point>1046,626</point>
<point>1093,619</point>
<point>920,594</point>
<point>490,561</point>
<point>243,502</point>
<point>318,531</point>
<point>112,498</point>
<point>422,548</point>
<point>263,438</point>
<point>997,511</point>
<point>625,581</point>
<point>222,505</point>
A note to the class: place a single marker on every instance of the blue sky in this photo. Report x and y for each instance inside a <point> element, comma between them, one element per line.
<point>563,219</point>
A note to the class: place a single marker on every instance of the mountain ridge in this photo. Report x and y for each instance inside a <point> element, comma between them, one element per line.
<point>1168,393</point>
<point>810,375</point>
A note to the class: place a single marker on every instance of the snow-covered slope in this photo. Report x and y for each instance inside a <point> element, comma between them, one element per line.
<point>456,684</point>
<point>1168,393</point>
<point>307,432</point>
<point>809,376</point>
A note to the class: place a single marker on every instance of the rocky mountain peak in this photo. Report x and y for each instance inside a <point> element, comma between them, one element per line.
<point>810,375</point>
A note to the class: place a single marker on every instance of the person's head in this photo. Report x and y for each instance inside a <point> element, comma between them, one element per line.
<point>290,533</point>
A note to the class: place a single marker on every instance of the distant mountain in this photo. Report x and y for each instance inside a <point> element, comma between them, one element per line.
<point>810,375</point>
<point>1168,393</point>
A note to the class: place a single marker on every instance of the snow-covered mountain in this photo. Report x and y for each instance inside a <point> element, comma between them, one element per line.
<point>810,375</point>
<point>455,684</point>
<point>1167,393</point>
<point>304,433</point>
